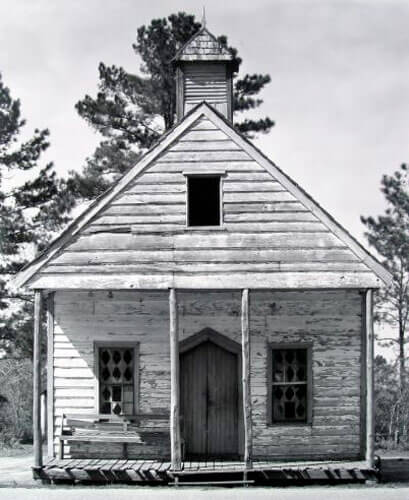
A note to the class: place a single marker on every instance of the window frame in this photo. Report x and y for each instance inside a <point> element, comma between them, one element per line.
<point>271,346</point>
<point>217,173</point>
<point>97,403</point>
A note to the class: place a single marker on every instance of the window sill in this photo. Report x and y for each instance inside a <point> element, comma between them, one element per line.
<point>205,228</point>
<point>289,424</point>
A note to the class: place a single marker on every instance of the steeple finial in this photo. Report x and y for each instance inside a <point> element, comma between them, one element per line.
<point>204,17</point>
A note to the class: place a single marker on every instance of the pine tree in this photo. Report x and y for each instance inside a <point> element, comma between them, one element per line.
<point>131,112</point>
<point>30,212</point>
<point>389,235</point>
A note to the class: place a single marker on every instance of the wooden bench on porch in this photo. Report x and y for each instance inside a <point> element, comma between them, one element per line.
<point>96,428</point>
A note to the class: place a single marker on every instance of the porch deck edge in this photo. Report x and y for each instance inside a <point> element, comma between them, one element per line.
<point>160,472</point>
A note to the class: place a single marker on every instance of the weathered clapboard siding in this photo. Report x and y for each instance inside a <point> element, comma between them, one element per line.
<point>208,82</point>
<point>331,321</point>
<point>83,318</point>
<point>265,228</point>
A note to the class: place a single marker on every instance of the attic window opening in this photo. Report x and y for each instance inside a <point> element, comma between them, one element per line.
<point>203,200</point>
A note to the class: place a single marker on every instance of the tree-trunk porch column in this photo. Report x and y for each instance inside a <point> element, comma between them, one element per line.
<point>245,346</point>
<point>175,442</point>
<point>370,416</point>
<point>37,440</point>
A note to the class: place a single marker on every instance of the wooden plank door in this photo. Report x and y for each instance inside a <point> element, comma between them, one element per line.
<point>209,401</point>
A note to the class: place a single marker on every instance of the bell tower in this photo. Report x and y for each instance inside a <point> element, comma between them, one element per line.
<point>204,72</point>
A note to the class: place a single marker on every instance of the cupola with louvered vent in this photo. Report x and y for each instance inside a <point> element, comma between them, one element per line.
<point>204,72</point>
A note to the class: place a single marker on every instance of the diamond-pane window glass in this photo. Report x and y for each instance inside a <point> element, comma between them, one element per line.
<point>117,380</point>
<point>289,384</point>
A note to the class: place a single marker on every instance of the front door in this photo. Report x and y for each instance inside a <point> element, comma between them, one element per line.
<point>209,401</point>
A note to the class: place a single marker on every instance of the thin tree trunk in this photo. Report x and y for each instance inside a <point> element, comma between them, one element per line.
<point>401,358</point>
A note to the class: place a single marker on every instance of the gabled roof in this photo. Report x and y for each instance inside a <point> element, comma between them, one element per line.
<point>202,109</point>
<point>203,46</point>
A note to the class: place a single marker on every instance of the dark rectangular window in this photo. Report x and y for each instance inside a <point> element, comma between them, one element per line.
<point>203,200</point>
<point>289,384</point>
<point>117,366</point>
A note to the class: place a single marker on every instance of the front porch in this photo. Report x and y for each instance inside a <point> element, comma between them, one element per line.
<point>211,472</point>
<point>148,333</point>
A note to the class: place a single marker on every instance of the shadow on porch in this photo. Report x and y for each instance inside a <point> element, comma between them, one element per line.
<point>212,472</point>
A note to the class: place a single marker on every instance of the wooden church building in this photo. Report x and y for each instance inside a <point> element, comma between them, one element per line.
<point>205,307</point>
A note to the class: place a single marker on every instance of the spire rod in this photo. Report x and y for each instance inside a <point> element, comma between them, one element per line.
<point>204,17</point>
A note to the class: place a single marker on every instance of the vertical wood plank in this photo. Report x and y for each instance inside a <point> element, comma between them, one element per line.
<point>50,375</point>
<point>370,415</point>
<point>174,383</point>
<point>229,81</point>
<point>180,94</point>
<point>37,444</point>
<point>245,332</point>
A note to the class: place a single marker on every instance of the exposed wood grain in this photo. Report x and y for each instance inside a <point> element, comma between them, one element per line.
<point>251,187</point>
<point>205,135</point>
<point>152,209</point>
<point>176,457</point>
<point>330,320</point>
<point>305,280</point>
<point>179,93</point>
<point>220,145</point>
<point>245,332</point>
<point>259,197</point>
<point>277,226</point>
<point>363,398</point>
<point>50,375</point>
<point>156,191</point>
<point>227,255</point>
<point>37,439</point>
<point>195,240</point>
<point>273,206</point>
<point>177,186</point>
<point>203,156</point>
<point>370,408</point>
<point>294,216</point>
<point>208,268</point>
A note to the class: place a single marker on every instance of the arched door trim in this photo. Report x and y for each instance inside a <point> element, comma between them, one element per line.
<point>208,334</point>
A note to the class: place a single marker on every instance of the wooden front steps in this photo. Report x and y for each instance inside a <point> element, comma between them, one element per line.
<point>203,473</point>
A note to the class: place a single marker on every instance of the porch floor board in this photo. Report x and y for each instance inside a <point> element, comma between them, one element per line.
<point>203,472</point>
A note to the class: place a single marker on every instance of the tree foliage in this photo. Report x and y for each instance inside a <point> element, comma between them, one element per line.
<point>391,405</point>
<point>132,111</point>
<point>30,211</point>
<point>389,235</point>
<point>16,401</point>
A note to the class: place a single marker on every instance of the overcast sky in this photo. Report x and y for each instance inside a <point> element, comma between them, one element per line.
<point>339,93</point>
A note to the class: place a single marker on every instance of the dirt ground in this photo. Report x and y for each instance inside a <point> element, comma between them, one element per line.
<point>167,493</point>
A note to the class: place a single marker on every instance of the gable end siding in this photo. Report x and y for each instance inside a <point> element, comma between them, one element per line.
<point>264,213</point>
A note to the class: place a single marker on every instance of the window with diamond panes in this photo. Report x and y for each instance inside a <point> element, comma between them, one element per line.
<point>116,380</point>
<point>289,385</point>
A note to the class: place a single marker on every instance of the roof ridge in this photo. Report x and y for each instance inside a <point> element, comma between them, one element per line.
<point>221,50</point>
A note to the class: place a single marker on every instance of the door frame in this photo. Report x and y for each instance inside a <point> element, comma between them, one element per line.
<point>208,334</point>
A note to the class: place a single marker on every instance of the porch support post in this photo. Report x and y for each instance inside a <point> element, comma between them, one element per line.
<point>37,441</point>
<point>50,375</point>
<point>370,415</point>
<point>245,346</point>
<point>175,445</point>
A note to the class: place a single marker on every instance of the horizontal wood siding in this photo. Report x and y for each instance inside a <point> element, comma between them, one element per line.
<point>265,229</point>
<point>205,82</point>
<point>329,320</point>
<point>81,320</point>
